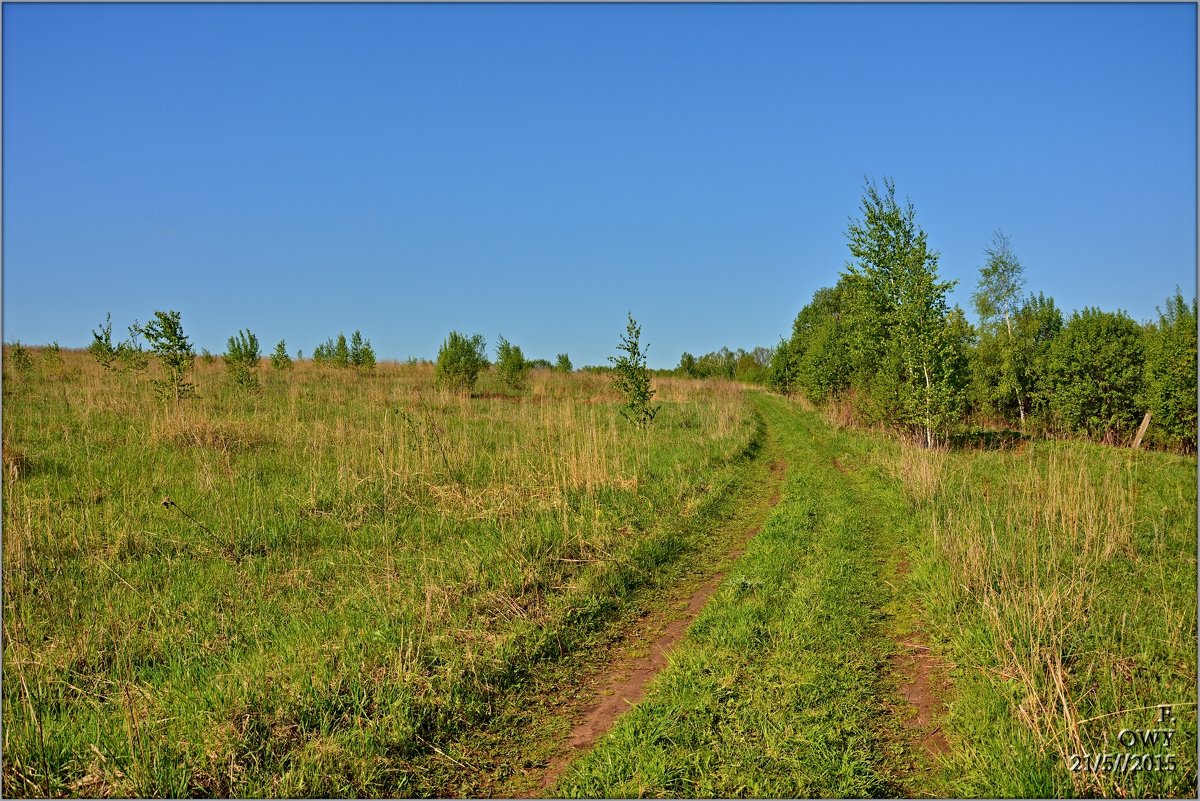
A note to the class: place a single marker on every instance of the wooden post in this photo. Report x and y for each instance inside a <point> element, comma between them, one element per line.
<point>1137,441</point>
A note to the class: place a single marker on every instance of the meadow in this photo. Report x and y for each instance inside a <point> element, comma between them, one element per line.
<point>303,590</point>
<point>358,583</point>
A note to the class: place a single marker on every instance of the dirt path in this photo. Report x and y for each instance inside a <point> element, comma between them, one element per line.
<point>921,683</point>
<point>622,682</point>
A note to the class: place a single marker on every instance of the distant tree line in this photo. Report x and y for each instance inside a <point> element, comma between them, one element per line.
<point>735,365</point>
<point>884,341</point>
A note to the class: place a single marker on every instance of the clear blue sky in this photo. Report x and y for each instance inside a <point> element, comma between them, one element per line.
<point>537,171</point>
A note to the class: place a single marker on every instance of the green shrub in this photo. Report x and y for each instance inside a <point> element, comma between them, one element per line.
<point>783,371</point>
<point>511,365</point>
<point>174,350</point>
<point>102,347</point>
<point>362,355</point>
<point>459,361</point>
<point>1096,367</point>
<point>242,357</point>
<point>52,356</point>
<point>279,359</point>
<point>631,378</point>
<point>562,363</point>
<point>1169,384</point>
<point>21,359</point>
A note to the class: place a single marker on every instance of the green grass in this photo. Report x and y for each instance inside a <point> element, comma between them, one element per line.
<point>355,570</point>
<point>1056,581</point>
<point>778,689</point>
<point>1060,579</point>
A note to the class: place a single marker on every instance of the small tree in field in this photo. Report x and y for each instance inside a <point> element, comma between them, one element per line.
<point>563,363</point>
<point>102,347</point>
<point>362,355</point>
<point>280,360</point>
<point>242,356</point>
<point>167,341</point>
<point>21,359</point>
<point>459,361</point>
<point>511,364</point>
<point>632,379</point>
<point>341,352</point>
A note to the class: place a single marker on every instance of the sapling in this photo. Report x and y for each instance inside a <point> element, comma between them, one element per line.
<point>242,356</point>
<point>279,359</point>
<point>174,350</point>
<point>511,364</point>
<point>102,347</point>
<point>632,379</point>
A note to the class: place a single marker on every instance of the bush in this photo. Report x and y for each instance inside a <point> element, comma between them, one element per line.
<point>167,341</point>
<point>21,359</point>
<point>362,355</point>
<point>102,347</point>
<point>631,378</point>
<point>783,371</point>
<point>280,359</point>
<point>206,356</point>
<point>52,355</point>
<point>1169,383</point>
<point>459,361</point>
<point>242,356</point>
<point>562,363</point>
<point>132,357</point>
<point>1096,367</point>
<point>511,364</point>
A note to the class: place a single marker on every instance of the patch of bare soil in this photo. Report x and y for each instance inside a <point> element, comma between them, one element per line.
<point>923,685</point>
<point>623,682</point>
<point>922,682</point>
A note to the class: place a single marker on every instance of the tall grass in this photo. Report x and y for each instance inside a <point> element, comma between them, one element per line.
<point>1061,578</point>
<point>303,590</point>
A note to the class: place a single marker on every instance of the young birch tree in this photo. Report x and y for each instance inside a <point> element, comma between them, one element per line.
<point>920,370</point>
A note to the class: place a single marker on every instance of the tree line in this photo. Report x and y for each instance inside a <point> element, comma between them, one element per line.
<point>885,342</point>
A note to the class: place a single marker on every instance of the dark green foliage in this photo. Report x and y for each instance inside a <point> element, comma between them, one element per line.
<point>336,352</point>
<point>460,360</point>
<point>280,360</point>
<point>511,365</point>
<point>1169,392</point>
<point>1095,368</point>
<point>362,355</point>
<point>1010,361</point>
<point>165,335</point>
<point>21,359</point>
<point>102,348</point>
<point>632,379</point>
<point>784,368</point>
<point>563,363</point>
<point>242,357</point>
<point>687,366</point>
<point>341,352</point>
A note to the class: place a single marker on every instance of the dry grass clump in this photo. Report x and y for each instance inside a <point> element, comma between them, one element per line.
<point>1037,546</point>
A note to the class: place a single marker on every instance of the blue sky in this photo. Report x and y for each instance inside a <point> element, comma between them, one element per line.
<point>538,171</point>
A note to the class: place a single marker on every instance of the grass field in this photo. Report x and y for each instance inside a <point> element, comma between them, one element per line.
<point>363,585</point>
<point>350,568</point>
<point>1057,582</point>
